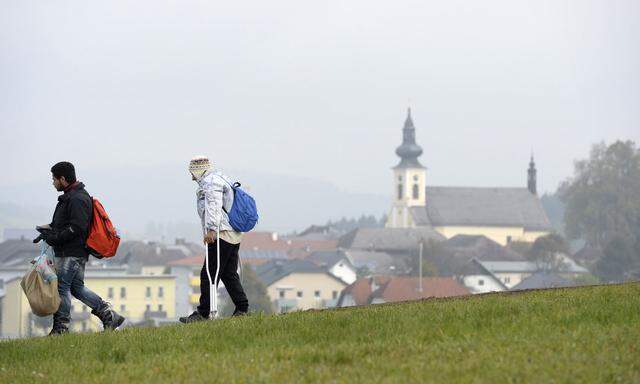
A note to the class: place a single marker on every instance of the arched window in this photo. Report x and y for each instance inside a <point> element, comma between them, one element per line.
<point>399,191</point>
<point>416,192</point>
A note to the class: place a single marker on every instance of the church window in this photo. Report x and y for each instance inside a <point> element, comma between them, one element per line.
<point>416,192</point>
<point>399,191</point>
<point>400,178</point>
<point>508,239</point>
<point>481,282</point>
<point>415,178</point>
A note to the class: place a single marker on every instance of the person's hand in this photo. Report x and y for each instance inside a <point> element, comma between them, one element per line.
<point>50,237</point>
<point>210,237</point>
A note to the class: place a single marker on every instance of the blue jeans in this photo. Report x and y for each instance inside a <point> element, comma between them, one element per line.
<point>70,271</point>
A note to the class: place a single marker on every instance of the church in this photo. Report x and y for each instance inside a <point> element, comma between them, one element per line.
<point>501,214</point>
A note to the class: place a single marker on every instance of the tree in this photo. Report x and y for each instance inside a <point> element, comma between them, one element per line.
<point>256,291</point>
<point>521,247</point>
<point>619,262</point>
<point>547,252</point>
<point>363,271</point>
<point>602,199</point>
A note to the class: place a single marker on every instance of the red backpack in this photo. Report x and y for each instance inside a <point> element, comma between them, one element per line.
<point>103,240</point>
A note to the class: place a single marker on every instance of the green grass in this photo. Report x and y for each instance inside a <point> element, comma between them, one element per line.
<point>589,334</point>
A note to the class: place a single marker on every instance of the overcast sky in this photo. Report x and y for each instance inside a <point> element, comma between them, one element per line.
<point>318,88</point>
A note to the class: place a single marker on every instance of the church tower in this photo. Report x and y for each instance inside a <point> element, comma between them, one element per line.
<point>532,177</point>
<point>409,178</point>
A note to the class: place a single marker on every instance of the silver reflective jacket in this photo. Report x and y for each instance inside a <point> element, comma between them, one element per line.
<point>214,192</point>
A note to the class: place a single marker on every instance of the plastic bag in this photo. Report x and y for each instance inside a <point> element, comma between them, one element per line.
<point>44,263</point>
<point>40,284</point>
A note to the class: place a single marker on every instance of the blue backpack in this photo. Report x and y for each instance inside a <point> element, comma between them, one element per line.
<point>243,215</point>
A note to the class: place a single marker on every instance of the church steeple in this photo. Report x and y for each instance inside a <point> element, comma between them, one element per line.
<point>409,151</point>
<point>532,177</point>
<point>409,179</point>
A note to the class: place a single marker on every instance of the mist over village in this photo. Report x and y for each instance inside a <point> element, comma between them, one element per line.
<point>423,192</point>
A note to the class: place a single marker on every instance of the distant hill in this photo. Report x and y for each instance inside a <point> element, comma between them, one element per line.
<point>161,200</point>
<point>23,217</point>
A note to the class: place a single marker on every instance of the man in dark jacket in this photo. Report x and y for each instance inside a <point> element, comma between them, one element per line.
<point>67,234</point>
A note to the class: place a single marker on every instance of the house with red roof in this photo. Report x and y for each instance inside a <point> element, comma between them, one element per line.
<point>383,289</point>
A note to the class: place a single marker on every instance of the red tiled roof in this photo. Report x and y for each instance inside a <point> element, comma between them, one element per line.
<point>193,260</point>
<point>262,240</point>
<point>360,290</point>
<point>296,248</point>
<point>404,288</point>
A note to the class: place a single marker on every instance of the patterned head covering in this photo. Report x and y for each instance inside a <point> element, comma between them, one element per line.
<point>198,166</point>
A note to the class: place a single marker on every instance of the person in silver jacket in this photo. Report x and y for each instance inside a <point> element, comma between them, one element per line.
<point>214,198</point>
<point>214,192</point>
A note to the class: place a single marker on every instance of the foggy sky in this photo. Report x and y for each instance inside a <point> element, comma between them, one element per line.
<point>317,89</point>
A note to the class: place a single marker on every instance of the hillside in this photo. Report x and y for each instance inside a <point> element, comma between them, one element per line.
<point>589,334</point>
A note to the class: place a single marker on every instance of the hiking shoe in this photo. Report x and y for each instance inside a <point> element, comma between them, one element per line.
<point>58,330</point>
<point>111,320</point>
<point>193,318</point>
<point>238,313</point>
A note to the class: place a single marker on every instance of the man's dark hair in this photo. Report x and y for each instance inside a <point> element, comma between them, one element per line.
<point>66,169</point>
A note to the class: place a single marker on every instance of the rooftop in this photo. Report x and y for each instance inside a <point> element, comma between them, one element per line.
<point>274,270</point>
<point>388,239</point>
<point>543,280</point>
<point>404,288</point>
<point>477,206</point>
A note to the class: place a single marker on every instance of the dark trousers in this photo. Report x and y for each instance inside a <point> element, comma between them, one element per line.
<point>228,273</point>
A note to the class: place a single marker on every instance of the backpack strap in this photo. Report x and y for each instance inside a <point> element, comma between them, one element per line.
<point>233,188</point>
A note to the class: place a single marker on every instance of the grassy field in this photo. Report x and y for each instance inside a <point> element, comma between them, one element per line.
<point>579,335</point>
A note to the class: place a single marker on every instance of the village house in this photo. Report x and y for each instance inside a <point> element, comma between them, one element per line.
<point>336,263</point>
<point>299,285</point>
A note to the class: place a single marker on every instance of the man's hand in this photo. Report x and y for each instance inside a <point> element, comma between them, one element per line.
<point>210,237</point>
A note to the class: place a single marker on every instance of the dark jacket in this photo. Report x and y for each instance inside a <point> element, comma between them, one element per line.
<point>71,223</point>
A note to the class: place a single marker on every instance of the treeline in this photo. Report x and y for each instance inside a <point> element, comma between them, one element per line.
<point>345,225</point>
<point>602,207</point>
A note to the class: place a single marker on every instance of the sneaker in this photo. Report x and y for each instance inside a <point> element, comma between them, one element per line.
<point>238,313</point>
<point>193,318</point>
<point>58,330</point>
<point>111,320</point>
